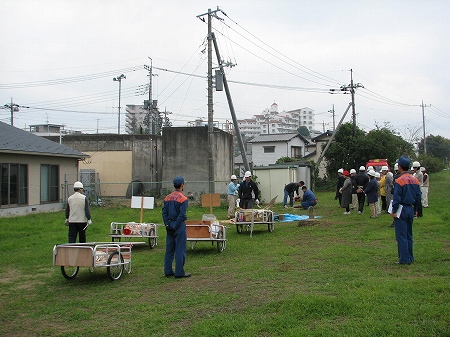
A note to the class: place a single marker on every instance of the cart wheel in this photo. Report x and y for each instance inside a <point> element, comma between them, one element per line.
<point>270,227</point>
<point>152,241</point>
<point>239,228</point>
<point>220,244</point>
<point>69,272</point>
<point>115,266</point>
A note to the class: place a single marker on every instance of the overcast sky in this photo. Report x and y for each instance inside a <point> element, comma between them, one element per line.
<point>59,58</point>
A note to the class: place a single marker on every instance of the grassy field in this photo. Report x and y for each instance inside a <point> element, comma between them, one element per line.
<point>337,277</point>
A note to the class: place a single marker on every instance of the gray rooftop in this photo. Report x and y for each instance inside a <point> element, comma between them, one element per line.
<point>14,140</point>
<point>277,137</point>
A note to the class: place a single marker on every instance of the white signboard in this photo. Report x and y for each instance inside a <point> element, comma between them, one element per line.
<point>147,203</point>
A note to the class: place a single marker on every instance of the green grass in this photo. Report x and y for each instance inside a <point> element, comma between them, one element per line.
<point>337,277</point>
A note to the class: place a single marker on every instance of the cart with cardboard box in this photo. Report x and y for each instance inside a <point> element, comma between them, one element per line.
<point>136,230</point>
<point>116,257</point>
<point>248,218</point>
<point>209,228</point>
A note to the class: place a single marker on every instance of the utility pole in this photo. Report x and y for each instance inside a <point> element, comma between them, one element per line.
<point>119,79</point>
<point>14,108</point>
<point>210,13</point>
<point>351,87</point>
<point>332,112</point>
<point>423,126</point>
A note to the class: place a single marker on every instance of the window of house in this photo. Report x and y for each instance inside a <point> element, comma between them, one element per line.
<point>269,149</point>
<point>296,151</point>
<point>14,184</point>
<point>49,183</point>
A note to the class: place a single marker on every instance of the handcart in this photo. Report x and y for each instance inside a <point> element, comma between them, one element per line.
<point>130,230</point>
<point>251,217</point>
<point>206,230</point>
<point>116,257</point>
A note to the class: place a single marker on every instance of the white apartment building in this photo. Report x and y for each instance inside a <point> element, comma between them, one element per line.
<point>134,117</point>
<point>271,121</point>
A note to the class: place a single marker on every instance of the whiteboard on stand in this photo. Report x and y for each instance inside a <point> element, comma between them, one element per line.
<point>142,202</point>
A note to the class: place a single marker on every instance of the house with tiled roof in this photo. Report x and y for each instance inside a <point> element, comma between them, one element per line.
<point>33,171</point>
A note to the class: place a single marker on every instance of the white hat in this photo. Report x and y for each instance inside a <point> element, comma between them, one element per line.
<point>371,173</point>
<point>377,175</point>
<point>422,169</point>
<point>233,177</point>
<point>341,170</point>
<point>384,168</point>
<point>362,168</point>
<point>247,174</point>
<point>352,171</point>
<point>369,168</point>
<point>416,164</point>
<point>78,185</point>
<point>396,166</point>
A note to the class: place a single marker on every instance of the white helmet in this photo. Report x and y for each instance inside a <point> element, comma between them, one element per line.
<point>352,171</point>
<point>247,174</point>
<point>362,168</point>
<point>377,175</point>
<point>416,164</point>
<point>78,185</point>
<point>233,177</point>
<point>396,166</point>
<point>341,170</point>
<point>371,173</point>
<point>384,168</point>
<point>370,168</point>
<point>422,169</point>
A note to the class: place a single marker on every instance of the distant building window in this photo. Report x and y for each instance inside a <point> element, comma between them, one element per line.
<point>14,184</point>
<point>49,183</point>
<point>296,151</point>
<point>269,149</point>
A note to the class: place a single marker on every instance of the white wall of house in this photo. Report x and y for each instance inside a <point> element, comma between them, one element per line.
<point>261,156</point>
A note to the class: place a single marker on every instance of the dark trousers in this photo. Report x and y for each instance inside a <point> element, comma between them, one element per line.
<point>404,236</point>
<point>246,203</point>
<point>175,248</point>
<point>361,200</point>
<point>77,228</point>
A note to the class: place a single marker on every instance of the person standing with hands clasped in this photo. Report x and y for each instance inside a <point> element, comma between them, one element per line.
<point>406,201</point>
<point>246,188</point>
<point>174,217</point>
<point>78,214</point>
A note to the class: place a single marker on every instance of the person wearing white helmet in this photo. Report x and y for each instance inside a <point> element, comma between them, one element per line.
<point>340,182</point>
<point>232,194</point>
<point>248,192</point>
<point>377,204</point>
<point>425,186</point>
<point>78,214</point>
<point>354,204</point>
<point>361,181</point>
<point>419,176</point>
<point>382,182</point>
<point>371,190</point>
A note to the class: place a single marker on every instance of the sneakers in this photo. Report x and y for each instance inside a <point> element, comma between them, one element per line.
<point>359,212</point>
<point>346,212</point>
<point>285,206</point>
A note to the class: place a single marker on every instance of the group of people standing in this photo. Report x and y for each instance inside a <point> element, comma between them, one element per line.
<point>354,189</point>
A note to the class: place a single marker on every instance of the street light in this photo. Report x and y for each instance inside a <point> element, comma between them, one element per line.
<point>119,79</point>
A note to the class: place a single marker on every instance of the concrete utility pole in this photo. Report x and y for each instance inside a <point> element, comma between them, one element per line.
<point>332,112</point>
<point>210,13</point>
<point>13,107</point>
<point>423,126</point>
<point>119,79</point>
<point>351,87</point>
<point>150,105</point>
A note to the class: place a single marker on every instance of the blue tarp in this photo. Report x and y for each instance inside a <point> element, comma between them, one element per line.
<point>296,217</point>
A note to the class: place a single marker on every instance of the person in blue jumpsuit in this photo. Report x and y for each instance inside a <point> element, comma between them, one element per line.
<point>406,200</point>
<point>309,199</point>
<point>174,217</point>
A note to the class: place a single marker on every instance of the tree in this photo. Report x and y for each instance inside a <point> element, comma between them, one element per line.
<point>437,146</point>
<point>431,163</point>
<point>283,160</point>
<point>351,151</point>
<point>303,131</point>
